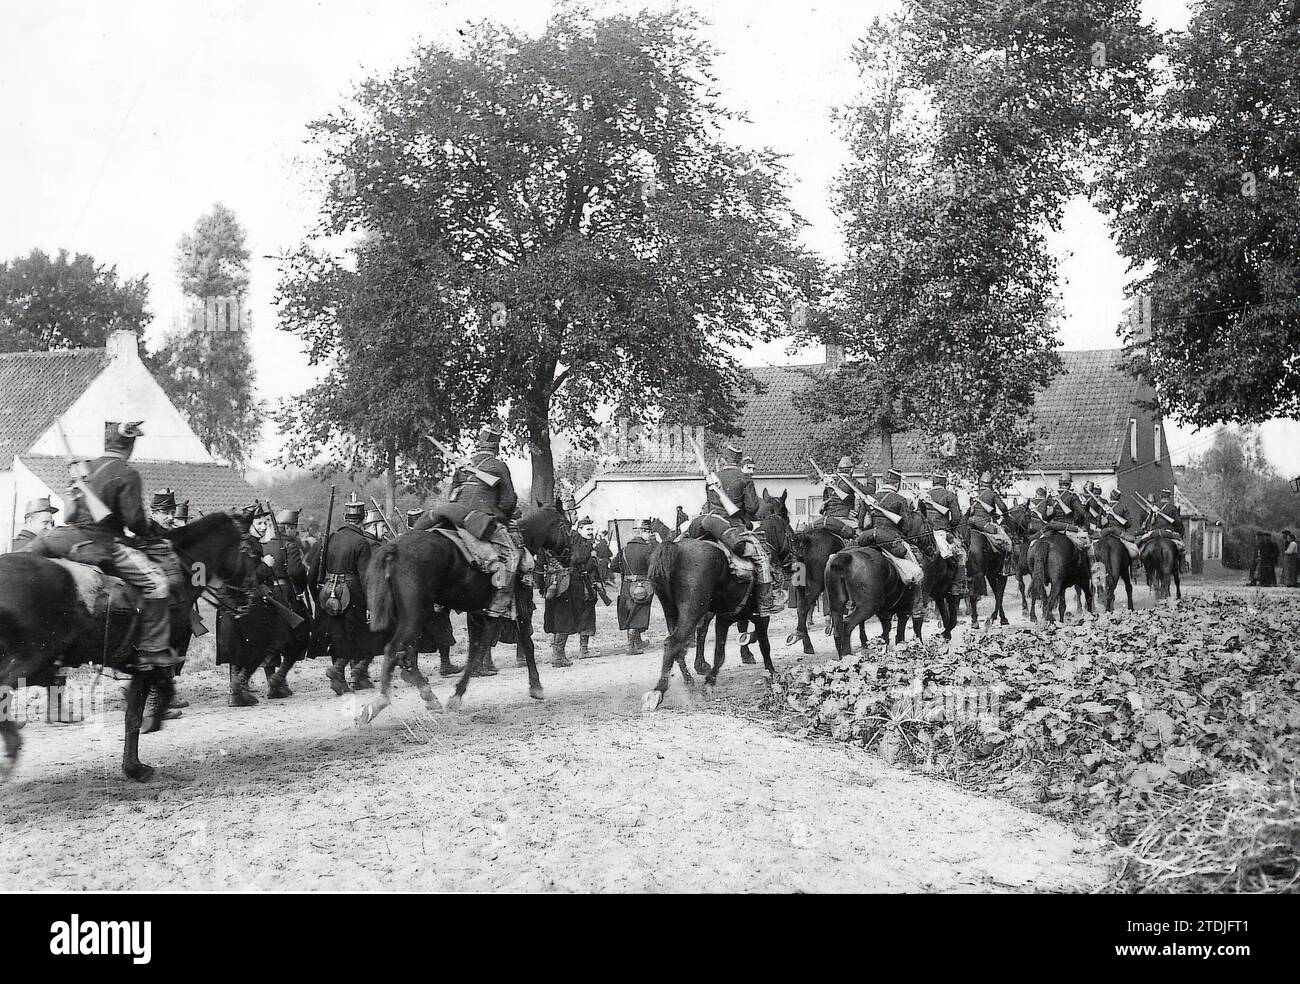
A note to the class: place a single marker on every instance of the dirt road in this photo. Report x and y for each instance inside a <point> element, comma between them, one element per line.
<point>577,793</point>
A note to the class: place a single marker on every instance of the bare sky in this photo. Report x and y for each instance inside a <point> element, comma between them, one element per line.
<point>121,122</point>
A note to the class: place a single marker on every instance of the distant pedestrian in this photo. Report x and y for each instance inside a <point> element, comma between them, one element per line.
<point>1290,560</point>
<point>1266,565</point>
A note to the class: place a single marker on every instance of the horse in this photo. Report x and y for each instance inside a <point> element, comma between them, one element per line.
<point>861,582</point>
<point>409,575</point>
<point>1056,565</point>
<point>984,566</point>
<point>814,548</point>
<point>1114,557</point>
<point>769,506</point>
<point>1017,520</point>
<point>45,626</point>
<point>1160,561</point>
<point>692,578</point>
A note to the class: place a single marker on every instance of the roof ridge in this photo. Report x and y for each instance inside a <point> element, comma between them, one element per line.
<point>29,353</point>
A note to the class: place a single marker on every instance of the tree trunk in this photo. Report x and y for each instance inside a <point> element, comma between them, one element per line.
<point>543,486</point>
<point>390,483</point>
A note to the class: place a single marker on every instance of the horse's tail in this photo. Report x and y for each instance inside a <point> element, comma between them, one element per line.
<point>977,558</point>
<point>1038,570</point>
<point>835,584</point>
<point>379,588</point>
<point>660,572</point>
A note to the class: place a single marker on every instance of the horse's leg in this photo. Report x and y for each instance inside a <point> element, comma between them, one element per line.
<point>974,610</point>
<point>1112,580</point>
<point>372,708</point>
<point>1178,580</point>
<point>411,673</point>
<point>688,617</point>
<point>746,656</point>
<point>811,592</point>
<point>137,690</point>
<point>721,626</point>
<point>886,634</point>
<point>701,636</point>
<point>764,644</point>
<point>477,629</point>
<point>1128,582</point>
<point>524,635</point>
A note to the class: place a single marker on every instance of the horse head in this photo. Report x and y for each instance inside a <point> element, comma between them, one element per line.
<point>546,529</point>
<point>773,505</point>
<point>213,548</point>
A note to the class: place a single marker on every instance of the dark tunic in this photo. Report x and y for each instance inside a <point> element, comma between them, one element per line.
<point>946,498</point>
<point>23,538</point>
<point>739,488</point>
<point>574,612</point>
<point>603,557</point>
<point>985,509</point>
<point>633,563</point>
<point>470,491</point>
<point>349,555</point>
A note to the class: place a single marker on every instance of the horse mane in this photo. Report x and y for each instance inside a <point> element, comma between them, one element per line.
<point>185,536</point>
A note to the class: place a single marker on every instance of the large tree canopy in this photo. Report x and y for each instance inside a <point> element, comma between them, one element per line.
<point>1205,210</point>
<point>970,135</point>
<point>66,302</point>
<point>571,203</point>
<point>205,364</point>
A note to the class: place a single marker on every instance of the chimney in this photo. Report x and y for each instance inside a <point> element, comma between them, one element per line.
<point>123,344</point>
<point>834,356</point>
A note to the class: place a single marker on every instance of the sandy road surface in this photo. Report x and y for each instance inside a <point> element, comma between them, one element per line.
<point>578,793</point>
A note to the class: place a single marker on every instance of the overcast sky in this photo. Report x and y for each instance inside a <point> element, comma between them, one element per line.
<point>121,122</point>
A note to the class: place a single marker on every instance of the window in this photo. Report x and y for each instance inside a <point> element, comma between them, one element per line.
<point>1133,438</point>
<point>800,507</point>
<point>1155,441</point>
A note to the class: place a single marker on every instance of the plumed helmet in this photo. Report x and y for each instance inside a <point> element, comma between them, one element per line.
<point>120,436</point>
<point>41,505</point>
<point>845,464</point>
<point>163,499</point>
<point>986,478</point>
<point>353,510</point>
<point>489,439</point>
<point>732,454</point>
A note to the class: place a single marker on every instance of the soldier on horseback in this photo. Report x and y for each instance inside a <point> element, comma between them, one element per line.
<point>839,501</point>
<point>1166,520</point>
<point>988,511</point>
<point>942,509</point>
<point>162,509</point>
<point>885,514</point>
<point>342,601</point>
<point>118,486</point>
<point>734,528</point>
<point>1119,520</point>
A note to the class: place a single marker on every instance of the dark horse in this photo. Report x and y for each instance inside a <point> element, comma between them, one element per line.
<point>422,568</point>
<point>692,579</point>
<point>770,506</point>
<point>45,625</point>
<point>984,565</point>
<point>814,547</point>
<point>1018,527</point>
<point>1114,557</point>
<point>1160,561</point>
<point>1057,565</point>
<point>861,582</point>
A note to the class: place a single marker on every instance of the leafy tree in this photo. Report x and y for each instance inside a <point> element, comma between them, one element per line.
<point>971,133</point>
<point>205,366</point>
<point>1235,479</point>
<point>66,302</point>
<point>571,197</point>
<point>1204,204</point>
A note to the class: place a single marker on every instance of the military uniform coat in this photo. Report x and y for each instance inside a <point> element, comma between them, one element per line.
<point>946,498</point>
<point>739,488</point>
<point>574,612</point>
<point>23,538</point>
<point>985,509</point>
<point>349,555</point>
<point>633,562</point>
<point>470,491</point>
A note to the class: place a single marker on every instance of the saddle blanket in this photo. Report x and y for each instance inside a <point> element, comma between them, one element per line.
<point>486,555</point>
<point>101,593</point>
<point>741,567</point>
<point>909,567</point>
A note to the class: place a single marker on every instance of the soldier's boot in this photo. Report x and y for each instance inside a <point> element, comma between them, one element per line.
<point>583,651</point>
<point>337,676</point>
<point>634,646</point>
<point>153,648</point>
<point>361,676</point>
<point>156,710</point>
<point>558,645</point>
<point>277,685</point>
<point>485,665</point>
<point>178,701</point>
<point>240,695</point>
<point>445,666</point>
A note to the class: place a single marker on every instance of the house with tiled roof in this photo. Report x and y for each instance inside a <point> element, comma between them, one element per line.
<point>1093,416</point>
<point>80,389</point>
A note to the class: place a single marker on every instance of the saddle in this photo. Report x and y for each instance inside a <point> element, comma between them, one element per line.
<point>111,603</point>
<point>834,529</point>
<point>742,568</point>
<point>909,567</point>
<point>497,555</point>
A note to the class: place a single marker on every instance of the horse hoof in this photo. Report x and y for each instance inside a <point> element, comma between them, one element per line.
<point>139,772</point>
<point>743,638</point>
<point>708,689</point>
<point>746,656</point>
<point>536,693</point>
<point>688,681</point>
<point>792,638</point>
<point>808,649</point>
<point>651,701</point>
<point>370,711</point>
<point>701,667</point>
<point>453,703</point>
<point>829,630</point>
